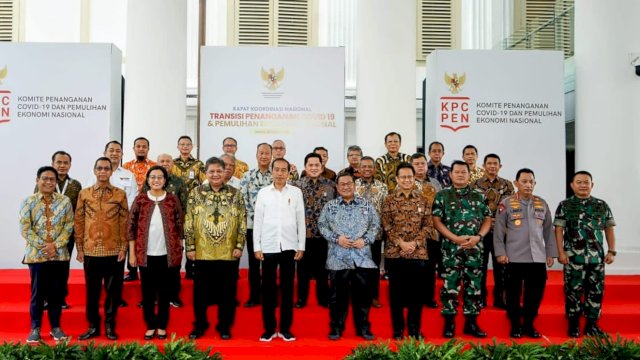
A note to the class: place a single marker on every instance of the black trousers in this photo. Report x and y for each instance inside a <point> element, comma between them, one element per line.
<point>217,278</point>
<point>357,283</point>
<point>435,253</point>
<point>254,270</point>
<point>284,260</point>
<point>531,279</point>
<point>66,270</point>
<point>47,283</point>
<point>498,272</point>
<point>313,265</point>
<point>405,290</point>
<point>376,256</point>
<point>98,271</point>
<point>155,279</point>
<point>176,280</point>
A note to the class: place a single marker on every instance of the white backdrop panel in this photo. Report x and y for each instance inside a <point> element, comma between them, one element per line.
<point>506,102</point>
<point>54,97</point>
<point>304,106</point>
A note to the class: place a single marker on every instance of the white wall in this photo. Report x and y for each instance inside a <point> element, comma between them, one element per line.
<point>608,114</point>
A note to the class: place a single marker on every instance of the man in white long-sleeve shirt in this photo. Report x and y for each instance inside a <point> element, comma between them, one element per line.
<point>278,240</point>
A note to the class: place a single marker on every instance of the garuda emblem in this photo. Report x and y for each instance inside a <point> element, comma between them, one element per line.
<point>455,82</point>
<point>272,79</point>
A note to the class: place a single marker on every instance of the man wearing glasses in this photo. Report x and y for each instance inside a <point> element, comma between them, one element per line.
<point>230,146</point>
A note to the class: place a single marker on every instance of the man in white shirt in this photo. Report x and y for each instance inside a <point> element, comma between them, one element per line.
<point>278,240</point>
<point>229,169</point>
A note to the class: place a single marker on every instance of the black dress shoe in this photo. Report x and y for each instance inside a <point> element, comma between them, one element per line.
<point>366,334</point>
<point>449,327</point>
<point>531,332</point>
<point>225,335</point>
<point>335,334</point>
<point>574,327</point>
<point>300,304</point>
<point>196,334</point>
<point>376,303</point>
<point>90,333</point>
<point>516,332</point>
<point>397,335</point>
<point>416,335</point>
<point>111,333</point>
<point>592,329</point>
<point>151,336</point>
<point>251,303</point>
<point>471,328</point>
<point>123,303</point>
<point>65,306</point>
<point>131,277</point>
<point>432,304</point>
<point>499,305</point>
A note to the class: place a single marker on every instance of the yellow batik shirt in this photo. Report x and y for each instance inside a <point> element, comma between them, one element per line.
<point>215,222</point>
<point>45,221</point>
<point>190,171</point>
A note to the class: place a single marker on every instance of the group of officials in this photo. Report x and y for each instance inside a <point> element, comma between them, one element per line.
<point>424,217</point>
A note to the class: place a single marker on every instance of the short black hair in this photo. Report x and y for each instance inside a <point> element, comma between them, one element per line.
<point>391,134</point>
<point>185,137</point>
<point>343,174</point>
<point>470,147</point>
<point>492,156</point>
<point>460,162</point>
<point>141,138</point>
<point>281,159</point>
<point>214,161</point>
<point>311,156</point>
<point>368,158</point>
<point>320,148</point>
<point>524,171</point>
<point>581,172</point>
<point>417,156</point>
<point>164,173</point>
<point>436,143</point>
<point>263,143</point>
<point>44,169</point>
<point>62,153</point>
<point>112,142</point>
<point>405,165</point>
<point>103,158</point>
<point>230,138</point>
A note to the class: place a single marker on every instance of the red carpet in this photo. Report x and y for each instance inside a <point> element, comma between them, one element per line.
<point>621,315</point>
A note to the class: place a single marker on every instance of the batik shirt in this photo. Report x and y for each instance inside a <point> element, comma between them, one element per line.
<point>45,221</point>
<point>407,218</point>
<point>316,195</point>
<point>139,170</point>
<point>176,186</point>
<point>476,174</point>
<point>428,188</point>
<point>241,169</point>
<point>250,185</point>
<point>440,173</point>
<point>374,191</point>
<point>190,171</point>
<point>215,222</point>
<point>356,219</point>
<point>584,221</point>
<point>101,221</point>
<point>386,168</point>
<point>326,173</point>
<point>462,211</point>
<point>494,191</point>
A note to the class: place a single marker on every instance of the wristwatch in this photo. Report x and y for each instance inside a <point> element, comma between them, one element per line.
<point>613,252</point>
<point>481,237</point>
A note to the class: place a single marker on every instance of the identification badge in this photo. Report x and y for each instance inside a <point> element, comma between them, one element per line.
<point>192,175</point>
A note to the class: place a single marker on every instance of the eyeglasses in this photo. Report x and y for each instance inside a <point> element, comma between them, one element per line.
<point>47,179</point>
<point>158,177</point>
<point>405,177</point>
<point>347,184</point>
<point>102,168</point>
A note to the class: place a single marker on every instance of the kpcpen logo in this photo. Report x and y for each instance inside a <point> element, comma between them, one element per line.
<point>454,110</point>
<point>5,98</point>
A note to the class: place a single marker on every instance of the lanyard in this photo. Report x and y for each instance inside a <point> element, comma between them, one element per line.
<point>64,188</point>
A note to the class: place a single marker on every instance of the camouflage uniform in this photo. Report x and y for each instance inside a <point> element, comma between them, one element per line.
<point>462,211</point>
<point>583,222</point>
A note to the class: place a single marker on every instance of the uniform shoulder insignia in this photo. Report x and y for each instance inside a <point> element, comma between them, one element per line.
<point>501,208</point>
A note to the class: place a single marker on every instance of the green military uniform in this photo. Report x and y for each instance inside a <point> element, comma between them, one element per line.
<point>462,211</point>
<point>583,222</point>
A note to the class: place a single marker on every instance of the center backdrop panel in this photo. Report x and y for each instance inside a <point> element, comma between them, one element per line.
<point>260,94</point>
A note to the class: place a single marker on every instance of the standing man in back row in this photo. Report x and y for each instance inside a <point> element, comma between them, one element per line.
<point>386,164</point>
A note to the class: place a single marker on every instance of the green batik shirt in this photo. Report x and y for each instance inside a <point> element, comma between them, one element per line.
<point>462,211</point>
<point>583,222</point>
